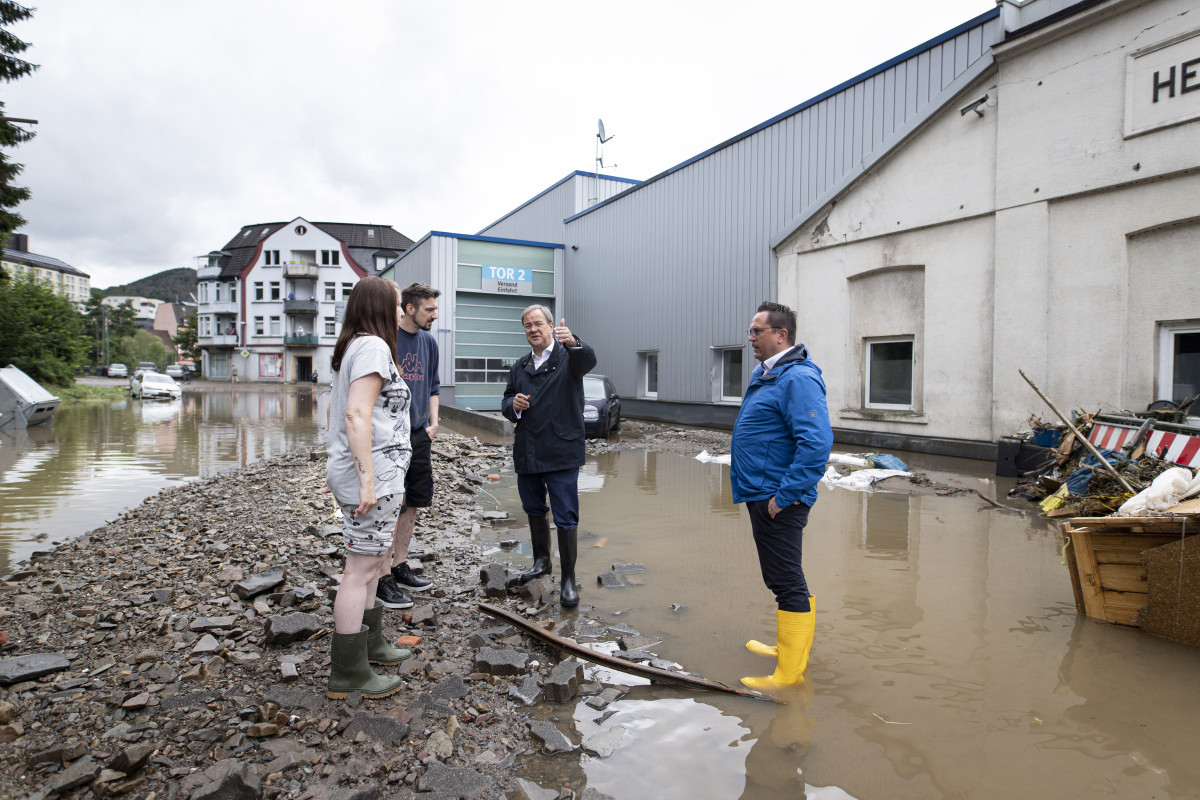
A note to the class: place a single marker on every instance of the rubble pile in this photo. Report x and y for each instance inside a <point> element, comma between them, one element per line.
<point>181,651</point>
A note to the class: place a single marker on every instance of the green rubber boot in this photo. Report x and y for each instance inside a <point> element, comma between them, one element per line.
<point>379,651</point>
<point>351,672</point>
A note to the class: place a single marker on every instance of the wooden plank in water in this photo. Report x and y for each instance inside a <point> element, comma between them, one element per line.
<point>1123,578</point>
<point>1072,567</point>
<point>1123,607</point>
<point>1089,575</point>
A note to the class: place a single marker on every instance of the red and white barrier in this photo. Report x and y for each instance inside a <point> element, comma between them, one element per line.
<point>1111,436</point>
<point>1175,446</point>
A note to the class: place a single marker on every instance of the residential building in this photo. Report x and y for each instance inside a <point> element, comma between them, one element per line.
<point>270,302</point>
<point>64,279</point>
<point>171,315</point>
<point>145,309</point>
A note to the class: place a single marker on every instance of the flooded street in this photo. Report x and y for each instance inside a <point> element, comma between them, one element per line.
<point>97,459</point>
<point>948,660</point>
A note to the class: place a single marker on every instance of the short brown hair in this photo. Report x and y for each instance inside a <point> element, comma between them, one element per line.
<point>780,316</point>
<point>414,293</point>
<point>370,311</point>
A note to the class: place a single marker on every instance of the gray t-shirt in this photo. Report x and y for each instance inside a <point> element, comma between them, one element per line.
<point>390,447</point>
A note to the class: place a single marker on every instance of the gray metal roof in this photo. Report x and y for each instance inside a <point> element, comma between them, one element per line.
<point>45,262</point>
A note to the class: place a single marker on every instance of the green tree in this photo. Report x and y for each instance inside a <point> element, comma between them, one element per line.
<point>185,338</point>
<point>11,68</point>
<point>142,346</point>
<point>42,333</point>
<point>120,322</point>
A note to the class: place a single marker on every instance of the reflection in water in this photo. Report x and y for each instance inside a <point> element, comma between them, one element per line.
<point>948,660</point>
<point>98,459</point>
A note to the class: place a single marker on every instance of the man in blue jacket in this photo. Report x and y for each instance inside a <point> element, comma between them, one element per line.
<point>544,397</point>
<point>780,447</point>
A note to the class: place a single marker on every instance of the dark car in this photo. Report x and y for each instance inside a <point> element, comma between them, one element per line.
<point>601,406</point>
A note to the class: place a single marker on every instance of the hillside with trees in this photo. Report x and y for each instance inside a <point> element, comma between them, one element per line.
<point>172,285</point>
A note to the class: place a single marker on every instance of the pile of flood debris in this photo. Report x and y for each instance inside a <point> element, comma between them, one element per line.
<point>1128,464</point>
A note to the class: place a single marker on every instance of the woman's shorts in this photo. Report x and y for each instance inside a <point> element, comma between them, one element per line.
<point>370,533</point>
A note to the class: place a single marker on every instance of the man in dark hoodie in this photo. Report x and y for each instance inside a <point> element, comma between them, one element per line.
<point>780,447</point>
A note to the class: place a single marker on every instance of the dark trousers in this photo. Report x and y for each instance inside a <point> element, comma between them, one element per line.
<point>780,547</point>
<point>563,486</point>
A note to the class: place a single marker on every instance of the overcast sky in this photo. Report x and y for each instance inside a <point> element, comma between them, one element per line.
<point>166,126</point>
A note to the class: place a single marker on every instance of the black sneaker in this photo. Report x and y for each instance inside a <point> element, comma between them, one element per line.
<point>408,579</point>
<point>391,594</point>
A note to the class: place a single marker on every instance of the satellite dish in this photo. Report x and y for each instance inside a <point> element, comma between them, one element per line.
<point>601,135</point>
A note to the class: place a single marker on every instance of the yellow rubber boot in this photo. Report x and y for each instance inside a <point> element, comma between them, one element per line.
<point>795,634</point>
<point>770,650</point>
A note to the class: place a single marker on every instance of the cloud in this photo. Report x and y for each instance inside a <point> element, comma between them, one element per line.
<point>165,127</point>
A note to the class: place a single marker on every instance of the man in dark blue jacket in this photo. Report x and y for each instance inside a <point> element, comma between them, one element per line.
<point>780,447</point>
<point>544,397</point>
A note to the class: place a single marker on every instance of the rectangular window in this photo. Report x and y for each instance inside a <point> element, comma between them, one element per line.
<point>330,327</point>
<point>331,291</point>
<point>258,326</point>
<point>258,290</point>
<point>648,382</point>
<point>346,289</point>
<point>731,373</point>
<point>275,327</point>
<point>272,257</point>
<point>274,290</point>
<point>889,378</point>
<point>202,293</point>
<point>331,258</point>
<point>1178,362</point>
<point>218,293</point>
<point>233,292</point>
<point>270,365</point>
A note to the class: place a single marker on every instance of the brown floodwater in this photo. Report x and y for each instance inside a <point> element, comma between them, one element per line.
<point>948,662</point>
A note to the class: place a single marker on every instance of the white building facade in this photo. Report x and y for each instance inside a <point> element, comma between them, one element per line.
<point>269,303</point>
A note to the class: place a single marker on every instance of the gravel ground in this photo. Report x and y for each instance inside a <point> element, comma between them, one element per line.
<point>181,650</point>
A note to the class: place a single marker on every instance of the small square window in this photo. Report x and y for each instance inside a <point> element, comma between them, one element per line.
<point>889,378</point>
<point>1179,363</point>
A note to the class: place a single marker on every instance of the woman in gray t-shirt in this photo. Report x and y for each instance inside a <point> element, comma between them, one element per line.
<point>369,451</point>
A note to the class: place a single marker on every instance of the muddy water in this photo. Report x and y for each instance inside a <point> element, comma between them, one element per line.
<point>948,662</point>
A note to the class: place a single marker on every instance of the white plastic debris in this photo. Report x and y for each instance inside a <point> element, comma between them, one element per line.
<point>861,480</point>
<point>707,459</point>
<point>1164,492</point>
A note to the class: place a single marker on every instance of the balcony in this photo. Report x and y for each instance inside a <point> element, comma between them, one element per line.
<point>302,269</point>
<point>219,307</point>
<point>218,340</point>
<point>307,308</point>
<point>208,273</point>
<point>301,340</point>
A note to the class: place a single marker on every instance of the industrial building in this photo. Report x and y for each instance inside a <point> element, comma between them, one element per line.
<point>1020,192</point>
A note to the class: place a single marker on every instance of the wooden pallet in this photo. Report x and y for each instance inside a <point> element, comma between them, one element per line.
<point>1104,558</point>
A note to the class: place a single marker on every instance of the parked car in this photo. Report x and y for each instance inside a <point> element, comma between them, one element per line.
<point>154,385</point>
<point>146,366</point>
<point>601,406</point>
<point>175,371</point>
<point>118,371</point>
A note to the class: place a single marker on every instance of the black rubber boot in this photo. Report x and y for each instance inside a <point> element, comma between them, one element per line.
<point>568,548</point>
<point>539,537</point>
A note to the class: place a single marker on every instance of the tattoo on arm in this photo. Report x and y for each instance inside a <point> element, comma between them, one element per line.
<point>359,465</point>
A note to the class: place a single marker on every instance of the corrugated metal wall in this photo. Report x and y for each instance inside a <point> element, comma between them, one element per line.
<point>541,219</point>
<point>678,264</point>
